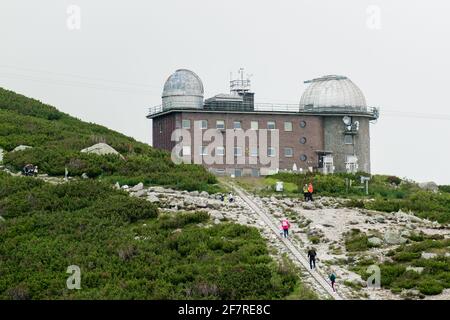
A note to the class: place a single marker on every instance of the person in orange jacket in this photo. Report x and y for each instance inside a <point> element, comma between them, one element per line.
<point>310,191</point>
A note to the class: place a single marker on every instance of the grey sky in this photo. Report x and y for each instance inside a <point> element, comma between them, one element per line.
<point>114,67</point>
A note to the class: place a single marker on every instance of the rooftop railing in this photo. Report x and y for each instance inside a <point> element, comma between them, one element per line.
<point>272,107</point>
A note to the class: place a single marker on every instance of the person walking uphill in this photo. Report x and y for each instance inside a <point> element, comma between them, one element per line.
<point>310,191</point>
<point>285,225</point>
<point>312,257</point>
<point>333,280</point>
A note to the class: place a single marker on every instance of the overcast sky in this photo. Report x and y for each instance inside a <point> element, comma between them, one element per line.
<point>113,67</point>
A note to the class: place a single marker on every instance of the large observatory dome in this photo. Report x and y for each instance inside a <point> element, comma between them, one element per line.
<point>332,91</point>
<point>183,89</point>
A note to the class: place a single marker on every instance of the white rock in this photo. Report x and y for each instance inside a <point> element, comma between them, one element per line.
<point>125,187</point>
<point>428,255</point>
<point>152,198</point>
<point>204,194</point>
<point>375,241</point>
<point>101,149</point>
<point>139,193</point>
<point>416,269</point>
<point>430,186</point>
<point>21,148</point>
<point>117,185</point>
<point>393,237</point>
<point>1,155</point>
<point>138,187</point>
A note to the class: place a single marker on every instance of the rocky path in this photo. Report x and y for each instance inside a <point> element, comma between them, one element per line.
<point>316,274</point>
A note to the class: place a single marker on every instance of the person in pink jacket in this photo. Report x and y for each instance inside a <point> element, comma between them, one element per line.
<point>285,225</point>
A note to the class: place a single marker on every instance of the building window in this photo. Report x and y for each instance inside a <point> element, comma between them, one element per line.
<point>348,139</point>
<point>238,172</point>
<point>302,124</point>
<point>186,124</point>
<point>220,124</point>
<point>186,151</point>
<point>271,152</point>
<point>237,151</point>
<point>254,152</point>
<point>237,125</point>
<point>203,151</point>
<point>288,152</point>
<point>255,172</point>
<point>203,124</point>
<point>302,140</point>
<point>254,125</point>
<point>160,128</point>
<point>288,126</point>
<point>220,151</point>
<point>220,171</point>
<point>303,157</point>
<point>270,125</point>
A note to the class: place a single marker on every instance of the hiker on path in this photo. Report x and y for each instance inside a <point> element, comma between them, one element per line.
<point>312,258</point>
<point>305,192</point>
<point>285,225</point>
<point>230,198</point>
<point>333,280</point>
<point>310,191</point>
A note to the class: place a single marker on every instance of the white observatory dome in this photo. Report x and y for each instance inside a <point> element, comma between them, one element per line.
<point>183,89</point>
<point>332,91</point>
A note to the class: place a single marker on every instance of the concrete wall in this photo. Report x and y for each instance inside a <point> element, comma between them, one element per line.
<point>334,142</point>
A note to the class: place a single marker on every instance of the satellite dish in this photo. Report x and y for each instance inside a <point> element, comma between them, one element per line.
<point>347,120</point>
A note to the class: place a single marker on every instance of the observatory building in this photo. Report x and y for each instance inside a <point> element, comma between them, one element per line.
<point>328,131</point>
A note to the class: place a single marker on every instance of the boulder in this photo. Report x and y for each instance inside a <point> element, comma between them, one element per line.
<point>101,149</point>
<point>125,187</point>
<point>21,148</point>
<point>215,214</point>
<point>374,241</point>
<point>84,175</point>
<point>139,193</point>
<point>137,187</point>
<point>195,193</point>
<point>117,185</point>
<point>152,198</point>
<point>204,194</point>
<point>415,269</point>
<point>393,237</point>
<point>429,186</point>
<point>428,255</point>
<point>308,205</point>
<point>1,155</point>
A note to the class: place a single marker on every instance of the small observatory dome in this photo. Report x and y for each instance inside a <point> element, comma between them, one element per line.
<point>183,89</point>
<point>332,91</point>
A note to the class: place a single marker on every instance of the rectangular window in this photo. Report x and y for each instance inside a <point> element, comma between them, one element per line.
<point>186,151</point>
<point>238,172</point>
<point>220,124</point>
<point>237,151</point>
<point>288,126</point>
<point>203,151</point>
<point>186,124</point>
<point>254,125</point>
<point>237,125</point>
<point>348,139</point>
<point>271,152</point>
<point>288,152</point>
<point>220,151</point>
<point>255,172</point>
<point>254,152</point>
<point>270,125</point>
<point>203,124</point>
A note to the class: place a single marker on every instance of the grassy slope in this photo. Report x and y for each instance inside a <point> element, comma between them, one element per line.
<point>57,139</point>
<point>125,249</point>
